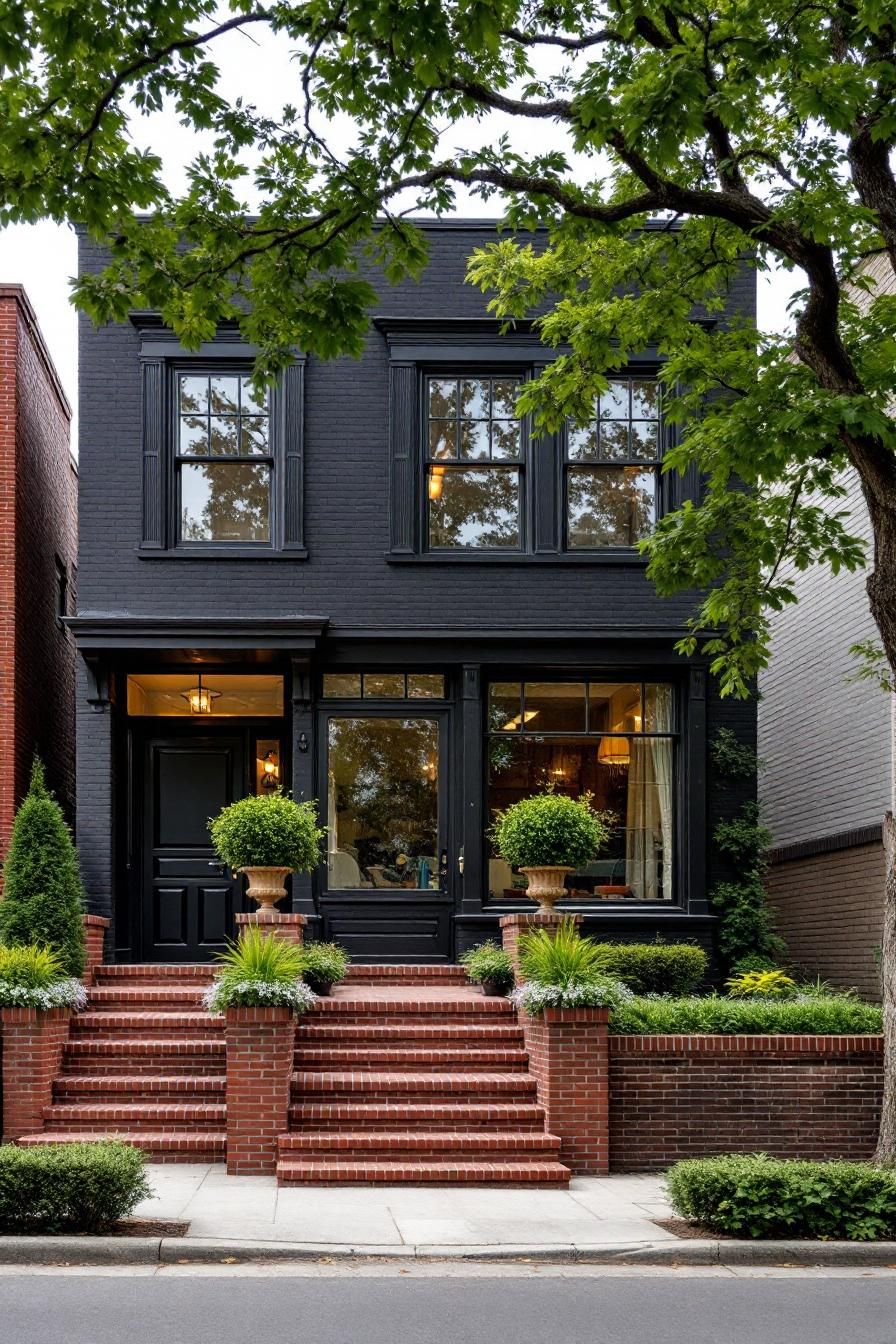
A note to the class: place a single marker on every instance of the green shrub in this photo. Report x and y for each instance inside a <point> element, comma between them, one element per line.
<point>754,962</point>
<point>33,977</point>
<point>323,965</point>
<point>831,1015</point>
<point>69,1187</point>
<point>655,968</point>
<point>760,1196</point>
<point>551,830</point>
<point>268,831</point>
<point>764,984</point>
<point>43,900</point>
<point>260,971</point>
<point>598,991</point>
<point>489,962</point>
<point>559,958</point>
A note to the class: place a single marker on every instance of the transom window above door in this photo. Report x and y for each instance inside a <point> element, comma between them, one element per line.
<point>223,460</point>
<point>474,463</point>
<point>383,686</point>
<point>203,695</point>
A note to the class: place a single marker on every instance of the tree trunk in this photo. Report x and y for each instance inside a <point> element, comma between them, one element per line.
<point>886,1141</point>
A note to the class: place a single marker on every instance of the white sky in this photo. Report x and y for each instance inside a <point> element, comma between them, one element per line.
<point>43,257</point>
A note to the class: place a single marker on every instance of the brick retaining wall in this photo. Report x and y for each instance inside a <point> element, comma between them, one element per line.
<point>693,1096</point>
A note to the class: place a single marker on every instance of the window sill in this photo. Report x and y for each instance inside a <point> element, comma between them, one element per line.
<point>611,556</point>
<point>221,553</point>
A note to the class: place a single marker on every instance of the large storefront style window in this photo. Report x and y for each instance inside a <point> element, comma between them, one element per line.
<point>612,468</point>
<point>614,740</point>
<point>474,452</point>
<point>382,802</point>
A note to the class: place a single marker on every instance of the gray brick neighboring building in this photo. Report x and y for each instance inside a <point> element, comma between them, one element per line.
<point>827,745</point>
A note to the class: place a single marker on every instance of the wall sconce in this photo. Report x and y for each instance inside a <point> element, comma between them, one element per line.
<point>200,698</point>
<point>270,777</point>
<point>303,742</point>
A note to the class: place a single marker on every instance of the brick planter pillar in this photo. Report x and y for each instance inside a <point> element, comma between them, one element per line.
<point>260,1045</point>
<point>513,925</point>
<point>95,927</point>
<point>569,1058</point>
<point>288,927</point>
<point>32,1054</point>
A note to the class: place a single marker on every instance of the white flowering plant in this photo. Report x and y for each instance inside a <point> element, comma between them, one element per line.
<point>34,977</point>
<point>253,993</point>
<point>598,991</point>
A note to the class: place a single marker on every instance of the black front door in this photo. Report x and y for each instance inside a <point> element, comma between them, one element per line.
<point>188,900</point>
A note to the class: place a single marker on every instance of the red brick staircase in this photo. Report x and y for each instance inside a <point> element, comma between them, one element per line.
<point>409,1075</point>
<point>145,1062</point>
<point>406,1074</point>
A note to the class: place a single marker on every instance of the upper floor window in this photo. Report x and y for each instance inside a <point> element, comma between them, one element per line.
<point>474,463</point>
<point>612,468</point>
<point>223,460</point>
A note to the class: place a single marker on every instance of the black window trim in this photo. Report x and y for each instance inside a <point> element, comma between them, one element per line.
<point>162,359</point>
<point>422,347</point>
<point>472,369</point>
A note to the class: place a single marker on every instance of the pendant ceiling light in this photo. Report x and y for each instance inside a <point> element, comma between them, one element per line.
<point>200,698</point>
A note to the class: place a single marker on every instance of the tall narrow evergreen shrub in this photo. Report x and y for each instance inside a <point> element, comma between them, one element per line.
<point>43,899</point>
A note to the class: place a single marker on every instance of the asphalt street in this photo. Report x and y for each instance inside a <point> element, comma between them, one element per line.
<point>668,1307</point>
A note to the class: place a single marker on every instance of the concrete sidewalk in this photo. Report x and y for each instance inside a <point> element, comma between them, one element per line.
<point>613,1210</point>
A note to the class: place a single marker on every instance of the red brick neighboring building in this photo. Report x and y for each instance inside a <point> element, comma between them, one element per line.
<point>38,550</point>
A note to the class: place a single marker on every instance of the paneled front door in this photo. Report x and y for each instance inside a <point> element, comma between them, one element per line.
<point>188,900</point>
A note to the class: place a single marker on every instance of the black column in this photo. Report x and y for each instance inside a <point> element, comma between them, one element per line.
<point>471,789</point>
<point>303,749</point>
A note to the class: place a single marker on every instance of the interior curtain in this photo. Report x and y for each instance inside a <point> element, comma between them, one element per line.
<point>649,806</point>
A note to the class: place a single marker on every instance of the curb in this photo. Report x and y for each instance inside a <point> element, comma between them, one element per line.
<point>195,1250</point>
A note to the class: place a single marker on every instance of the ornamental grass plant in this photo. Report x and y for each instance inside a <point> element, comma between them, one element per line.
<point>564,970</point>
<point>260,971</point>
<point>761,1196</point>
<point>34,977</point>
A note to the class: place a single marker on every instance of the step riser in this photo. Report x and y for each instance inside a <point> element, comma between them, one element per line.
<point>126,1064</point>
<point>409,1038</point>
<point>389,1118</point>
<point>326,1060</point>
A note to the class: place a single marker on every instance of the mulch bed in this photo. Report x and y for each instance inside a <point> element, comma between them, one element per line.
<point>128,1227</point>
<point>691,1231</point>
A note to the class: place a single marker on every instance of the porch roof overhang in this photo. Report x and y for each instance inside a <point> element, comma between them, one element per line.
<point>195,637</point>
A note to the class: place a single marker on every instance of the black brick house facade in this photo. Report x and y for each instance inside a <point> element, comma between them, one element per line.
<point>267,557</point>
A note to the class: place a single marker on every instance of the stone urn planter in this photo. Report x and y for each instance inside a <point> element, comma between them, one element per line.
<point>547,885</point>
<point>266,885</point>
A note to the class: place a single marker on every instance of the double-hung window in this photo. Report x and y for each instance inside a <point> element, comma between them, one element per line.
<point>612,468</point>
<point>473,463</point>
<point>223,460</point>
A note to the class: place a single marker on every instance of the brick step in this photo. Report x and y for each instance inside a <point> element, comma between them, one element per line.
<point>134,998</point>
<point>312,1032</point>
<point>149,1055</point>
<point>403,975</point>
<point>204,1145</point>
<point>440,1144</point>
<point>152,1023</point>
<point>392,1115</point>
<point>148,973</point>
<point>132,1116</point>
<point>444,1008</point>
<point>420,1171</point>
<point>364,1057</point>
<point>372,1085</point>
<point>141,1087</point>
